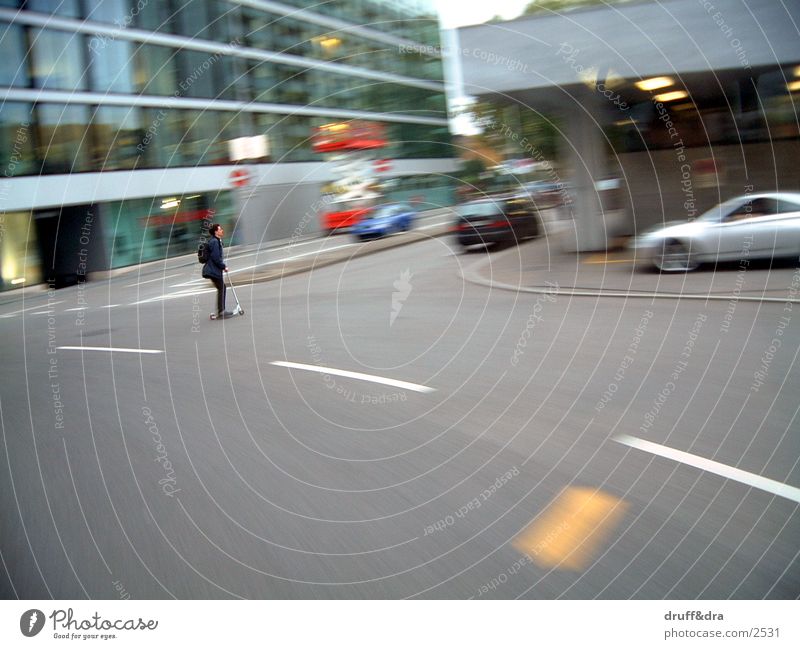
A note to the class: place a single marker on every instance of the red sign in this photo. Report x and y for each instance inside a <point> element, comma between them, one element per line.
<point>240,177</point>
<point>355,135</point>
<point>382,165</point>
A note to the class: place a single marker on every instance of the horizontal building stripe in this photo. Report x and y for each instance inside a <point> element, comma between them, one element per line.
<point>212,47</point>
<point>308,15</point>
<point>26,193</point>
<point>156,101</point>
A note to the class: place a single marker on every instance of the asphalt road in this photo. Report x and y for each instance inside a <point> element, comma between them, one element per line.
<point>524,453</point>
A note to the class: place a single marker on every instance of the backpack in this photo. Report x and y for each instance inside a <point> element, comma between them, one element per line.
<point>203,254</point>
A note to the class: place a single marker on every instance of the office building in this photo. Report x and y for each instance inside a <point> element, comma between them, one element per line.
<point>123,120</point>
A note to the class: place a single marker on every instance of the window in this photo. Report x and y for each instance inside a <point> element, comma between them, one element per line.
<point>289,136</point>
<point>282,84</point>
<point>174,224</point>
<point>419,141</point>
<point>13,66</point>
<point>17,155</point>
<point>197,70</point>
<point>62,139</point>
<point>256,26</point>
<point>228,78</point>
<point>116,132</point>
<point>185,138</point>
<point>144,230</point>
<point>484,209</point>
<point>754,208</point>
<point>200,130</point>
<point>786,207</point>
<point>206,20</point>
<point>58,61</point>
<point>67,8</point>
<point>19,252</point>
<point>124,227</point>
<point>272,32</point>
<point>111,65</point>
<point>155,70</point>
<point>152,15</point>
<point>110,11</point>
<point>163,132</point>
<point>229,125</point>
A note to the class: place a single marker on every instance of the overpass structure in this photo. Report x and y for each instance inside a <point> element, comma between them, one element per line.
<point>687,101</point>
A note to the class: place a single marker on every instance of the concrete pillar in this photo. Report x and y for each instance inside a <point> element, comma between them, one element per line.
<point>585,156</point>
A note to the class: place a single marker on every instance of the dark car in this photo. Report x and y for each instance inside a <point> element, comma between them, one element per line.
<point>496,219</point>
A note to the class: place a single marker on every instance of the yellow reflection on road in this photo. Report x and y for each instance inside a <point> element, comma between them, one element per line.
<point>573,530</point>
<point>608,258</point>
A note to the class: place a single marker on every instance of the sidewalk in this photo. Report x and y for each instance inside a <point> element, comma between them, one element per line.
<point>263,250</point>
<point>541,265</point>
<point>271,265</point>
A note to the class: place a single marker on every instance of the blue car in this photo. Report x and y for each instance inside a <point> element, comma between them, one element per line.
<point>385,219</point>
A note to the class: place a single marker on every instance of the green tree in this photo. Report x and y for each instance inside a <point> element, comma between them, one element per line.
<point>514,130</point>
<point>538,6</point>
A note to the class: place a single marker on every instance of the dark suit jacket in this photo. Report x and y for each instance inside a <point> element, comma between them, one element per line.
<point>215,264</point>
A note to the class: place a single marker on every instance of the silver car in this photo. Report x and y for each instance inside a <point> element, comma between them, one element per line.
<point>750,226</point>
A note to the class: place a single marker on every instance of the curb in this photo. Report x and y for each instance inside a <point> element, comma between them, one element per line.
<point>472,275</point>
<point>322,260</point>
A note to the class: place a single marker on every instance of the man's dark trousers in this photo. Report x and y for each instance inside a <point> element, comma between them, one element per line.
<point>220,284</point>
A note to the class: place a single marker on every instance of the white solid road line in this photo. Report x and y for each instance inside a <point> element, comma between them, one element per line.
<point>404,385</point>
<point>30,308</point>
<point>157,279</point>
<point>171,296</point>
<point>113,349</point>
<point>729,472</point>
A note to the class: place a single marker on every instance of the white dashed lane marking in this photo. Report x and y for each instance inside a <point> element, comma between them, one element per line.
<point>127,350</point>
<point>711,466</point>
<point>403,385</point>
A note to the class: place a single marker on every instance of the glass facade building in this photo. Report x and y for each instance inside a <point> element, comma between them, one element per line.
<point>138,86</point>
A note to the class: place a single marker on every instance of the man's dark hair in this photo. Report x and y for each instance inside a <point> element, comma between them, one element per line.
<point>213,229</point>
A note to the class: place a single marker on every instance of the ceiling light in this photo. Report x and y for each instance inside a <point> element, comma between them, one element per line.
<point>329,42</point>
<point>655,83</point>
<point>671,96</point>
